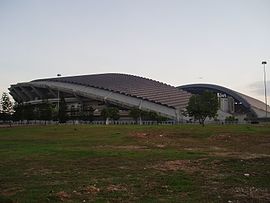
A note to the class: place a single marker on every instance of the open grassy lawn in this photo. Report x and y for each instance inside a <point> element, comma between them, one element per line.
<point>185,163</point>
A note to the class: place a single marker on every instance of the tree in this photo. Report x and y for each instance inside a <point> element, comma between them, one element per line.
<point>7,107</point>
<point>135,113</point>
<point>231,119</point>
<point>29,112</point>
<point>62,111</point>
<point>110,113</point>
<point>202,106</point>
<point>114,113</point>
<point>18,114</point>
<point>152,115</point>
<point>45,111</point>
<point>86,113</point>
<point>73,113</point>
<point>105,115</point>
<point>160,118</point>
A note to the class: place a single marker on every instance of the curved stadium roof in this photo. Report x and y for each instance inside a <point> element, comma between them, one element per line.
<point>119,89</point>
<point>252,104</point>
<point>131,85</point>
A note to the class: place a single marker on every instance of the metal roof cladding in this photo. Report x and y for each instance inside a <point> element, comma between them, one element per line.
<point>131,85</point>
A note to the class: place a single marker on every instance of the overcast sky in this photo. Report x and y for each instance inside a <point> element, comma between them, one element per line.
<point>174,41</point>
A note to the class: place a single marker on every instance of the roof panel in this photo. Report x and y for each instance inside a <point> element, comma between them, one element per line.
<point>130,85</point>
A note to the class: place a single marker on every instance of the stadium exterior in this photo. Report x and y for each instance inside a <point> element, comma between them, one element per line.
<point>129,91</point>
<point>231,103</point>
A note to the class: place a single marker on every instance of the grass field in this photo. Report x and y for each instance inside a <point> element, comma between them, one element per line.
<point>185,163</point>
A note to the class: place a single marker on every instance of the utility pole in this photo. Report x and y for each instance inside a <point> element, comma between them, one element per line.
<point>58,104</point>
<point>265,92</point>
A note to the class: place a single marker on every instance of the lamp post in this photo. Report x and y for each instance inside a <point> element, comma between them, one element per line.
<point>58,104</point>
<point>265,95</point>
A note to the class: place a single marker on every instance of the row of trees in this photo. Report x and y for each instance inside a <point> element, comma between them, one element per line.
<point>44,111</point>
<point>138,114</point>
<point>112,113</point>
<point>47,111</point>
<point>199,107</point>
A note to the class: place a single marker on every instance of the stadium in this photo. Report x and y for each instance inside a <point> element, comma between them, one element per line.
<point>127,92</point>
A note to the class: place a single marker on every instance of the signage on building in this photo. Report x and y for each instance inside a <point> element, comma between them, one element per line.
<point>221,95</point>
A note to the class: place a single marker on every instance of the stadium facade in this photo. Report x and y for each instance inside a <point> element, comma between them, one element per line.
<point>231,103</point>
<point>128,91</point>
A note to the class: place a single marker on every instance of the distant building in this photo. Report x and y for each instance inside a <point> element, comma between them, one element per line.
<point>231,103</point>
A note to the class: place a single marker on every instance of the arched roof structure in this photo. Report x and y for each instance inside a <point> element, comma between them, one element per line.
<point>121,89</point>
<point>130,85</point>
<point>251,104</point>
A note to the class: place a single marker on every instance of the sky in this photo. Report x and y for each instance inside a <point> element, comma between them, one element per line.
<point>173,41</point>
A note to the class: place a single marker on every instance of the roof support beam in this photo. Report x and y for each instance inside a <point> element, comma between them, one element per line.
<point>27,92</point>
<point>19,92</point>
<point>38,93</point>
<point>53,93</point>
<point>16,97</point>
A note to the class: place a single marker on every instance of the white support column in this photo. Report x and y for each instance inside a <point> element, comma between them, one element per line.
<point>178,115</point>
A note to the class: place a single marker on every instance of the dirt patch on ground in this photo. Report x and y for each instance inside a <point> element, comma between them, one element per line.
<point>185,165</point>
<point>212,174</point>
<point>147,135</point>
<point>40,171</point>
<point>63,196</point>
<point>123,147</point>
<point>116,188</point>
<point>91,189</point>
<point>11,191</point>
<point>140,135</point>
<point>239,155</point>
<point>221,137</point>
<point>241,143</point>
<point>161,145</point>
<point>84,191</point>
<point>252,193</point>
<point>244,138</point>
<point>160,140</point>
<point>131,147</point>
